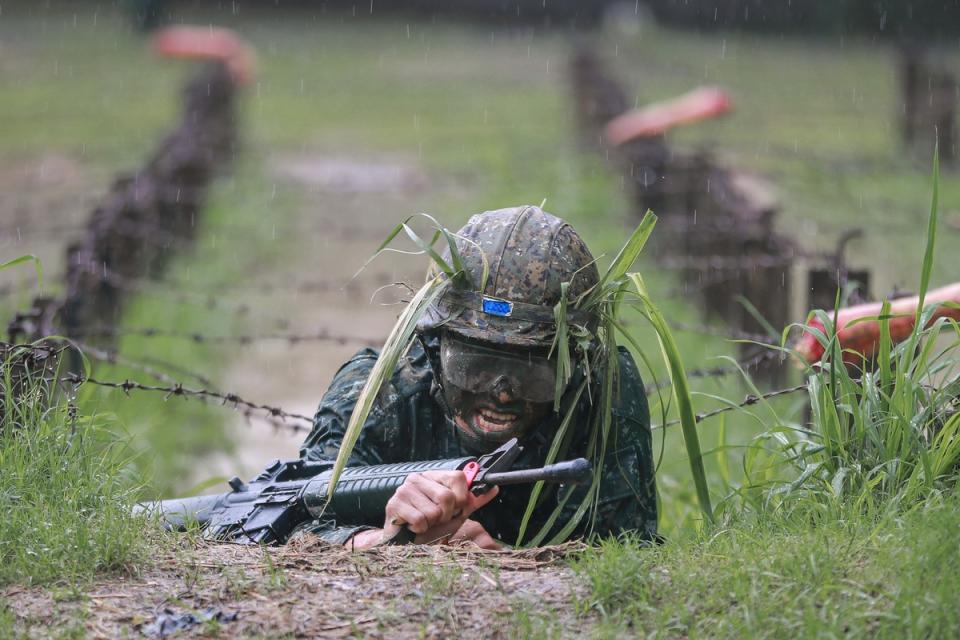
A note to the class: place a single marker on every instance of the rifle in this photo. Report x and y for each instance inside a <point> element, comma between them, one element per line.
<point>290,494</point>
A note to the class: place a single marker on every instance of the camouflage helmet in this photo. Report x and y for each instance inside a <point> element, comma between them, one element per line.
<point>530,254</point>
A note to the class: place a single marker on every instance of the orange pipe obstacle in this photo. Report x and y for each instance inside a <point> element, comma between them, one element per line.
<point>657,118</point>
<point>862,339</point>
<point>208,43</point>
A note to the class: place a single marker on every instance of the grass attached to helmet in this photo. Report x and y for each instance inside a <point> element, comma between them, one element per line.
<point>585,329</point>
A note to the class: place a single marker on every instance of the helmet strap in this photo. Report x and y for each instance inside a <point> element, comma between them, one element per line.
<point>436,390</point>
<point>436,385</point>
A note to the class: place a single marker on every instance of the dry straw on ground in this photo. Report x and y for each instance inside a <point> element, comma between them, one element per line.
<point>310,589</point>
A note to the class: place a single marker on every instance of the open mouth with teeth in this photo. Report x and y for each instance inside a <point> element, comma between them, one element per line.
<point>489,420</point>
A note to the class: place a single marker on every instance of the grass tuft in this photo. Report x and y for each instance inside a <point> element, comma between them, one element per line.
<point>883,436</point>
<point>65,493</point>
<point>778,577</point>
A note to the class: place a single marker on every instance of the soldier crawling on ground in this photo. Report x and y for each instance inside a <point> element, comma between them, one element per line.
<point>480,373</point>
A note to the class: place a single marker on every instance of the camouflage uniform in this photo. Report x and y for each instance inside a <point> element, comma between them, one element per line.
<point>408,423</point>
<point>527,260</point>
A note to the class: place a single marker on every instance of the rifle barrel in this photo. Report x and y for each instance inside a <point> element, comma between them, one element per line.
<point>573,471</point>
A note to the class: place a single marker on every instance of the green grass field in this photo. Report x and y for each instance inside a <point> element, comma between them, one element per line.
<point>487,109</point>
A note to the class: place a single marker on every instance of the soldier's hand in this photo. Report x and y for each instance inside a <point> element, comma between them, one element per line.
<point>433,505</point>
<point>473,532</point>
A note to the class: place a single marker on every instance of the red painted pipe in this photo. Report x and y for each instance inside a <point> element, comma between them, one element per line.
<point>863,338</point>
<point>205,43</point>
<point>657,118</point>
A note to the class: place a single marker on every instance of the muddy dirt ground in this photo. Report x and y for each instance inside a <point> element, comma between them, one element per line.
<point>311,590</point>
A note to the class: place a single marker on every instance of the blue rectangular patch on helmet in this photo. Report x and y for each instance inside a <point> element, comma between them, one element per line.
<point>495,307</point>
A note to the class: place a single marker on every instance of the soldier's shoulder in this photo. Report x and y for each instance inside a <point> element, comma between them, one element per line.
<point>389,419</point>
<point>361,360</point>
<point>628,367</point>
<point>352,374</point>
<point>631,403</point>
<point>413,373</point>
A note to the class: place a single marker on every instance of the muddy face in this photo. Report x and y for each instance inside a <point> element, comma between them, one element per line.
<point>487,420</point>
<point>495,394</point>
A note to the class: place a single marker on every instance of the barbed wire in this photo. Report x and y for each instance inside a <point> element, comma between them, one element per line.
<point>727,334</point>
<point>275,413</point>
<point>203,394</point>
<point>731,263</point>
<point>176,289</point>
<point>865,162</point>
<point>151,231</point>
<point>49,349</point>
<point>749,400</point>
<point>691,288</point>
<point>44,348</point>
<point>292,338</point>
<point>137,285</point>
<point>178,369</point>
<point>306,286</point>
<point>720,371</point>
<point>276,424</point>
<point>248,408</point>
<point>149,332</point>
<point>113,357</point>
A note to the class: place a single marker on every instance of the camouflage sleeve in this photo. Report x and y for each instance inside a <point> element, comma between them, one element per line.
<point>330,422</point>
<point>333,415</point>
<point>329,531</point>
<point>628,494</point>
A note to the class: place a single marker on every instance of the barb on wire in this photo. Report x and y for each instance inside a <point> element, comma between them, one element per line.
<point>276,424</point>
<point>179,390</point>
<point>750,399</point>
<point>178,369</point>
<point>287,285</point>
<point>136,285</point>
<point>728,334</point>
<point>176,291</point>
<point>149,332</point>
<point>23,362</point>
<point>720,371</point>
<point>44,349</point>
<point>688,289</point>
<point>732,263</point>
<point>113,357</point>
